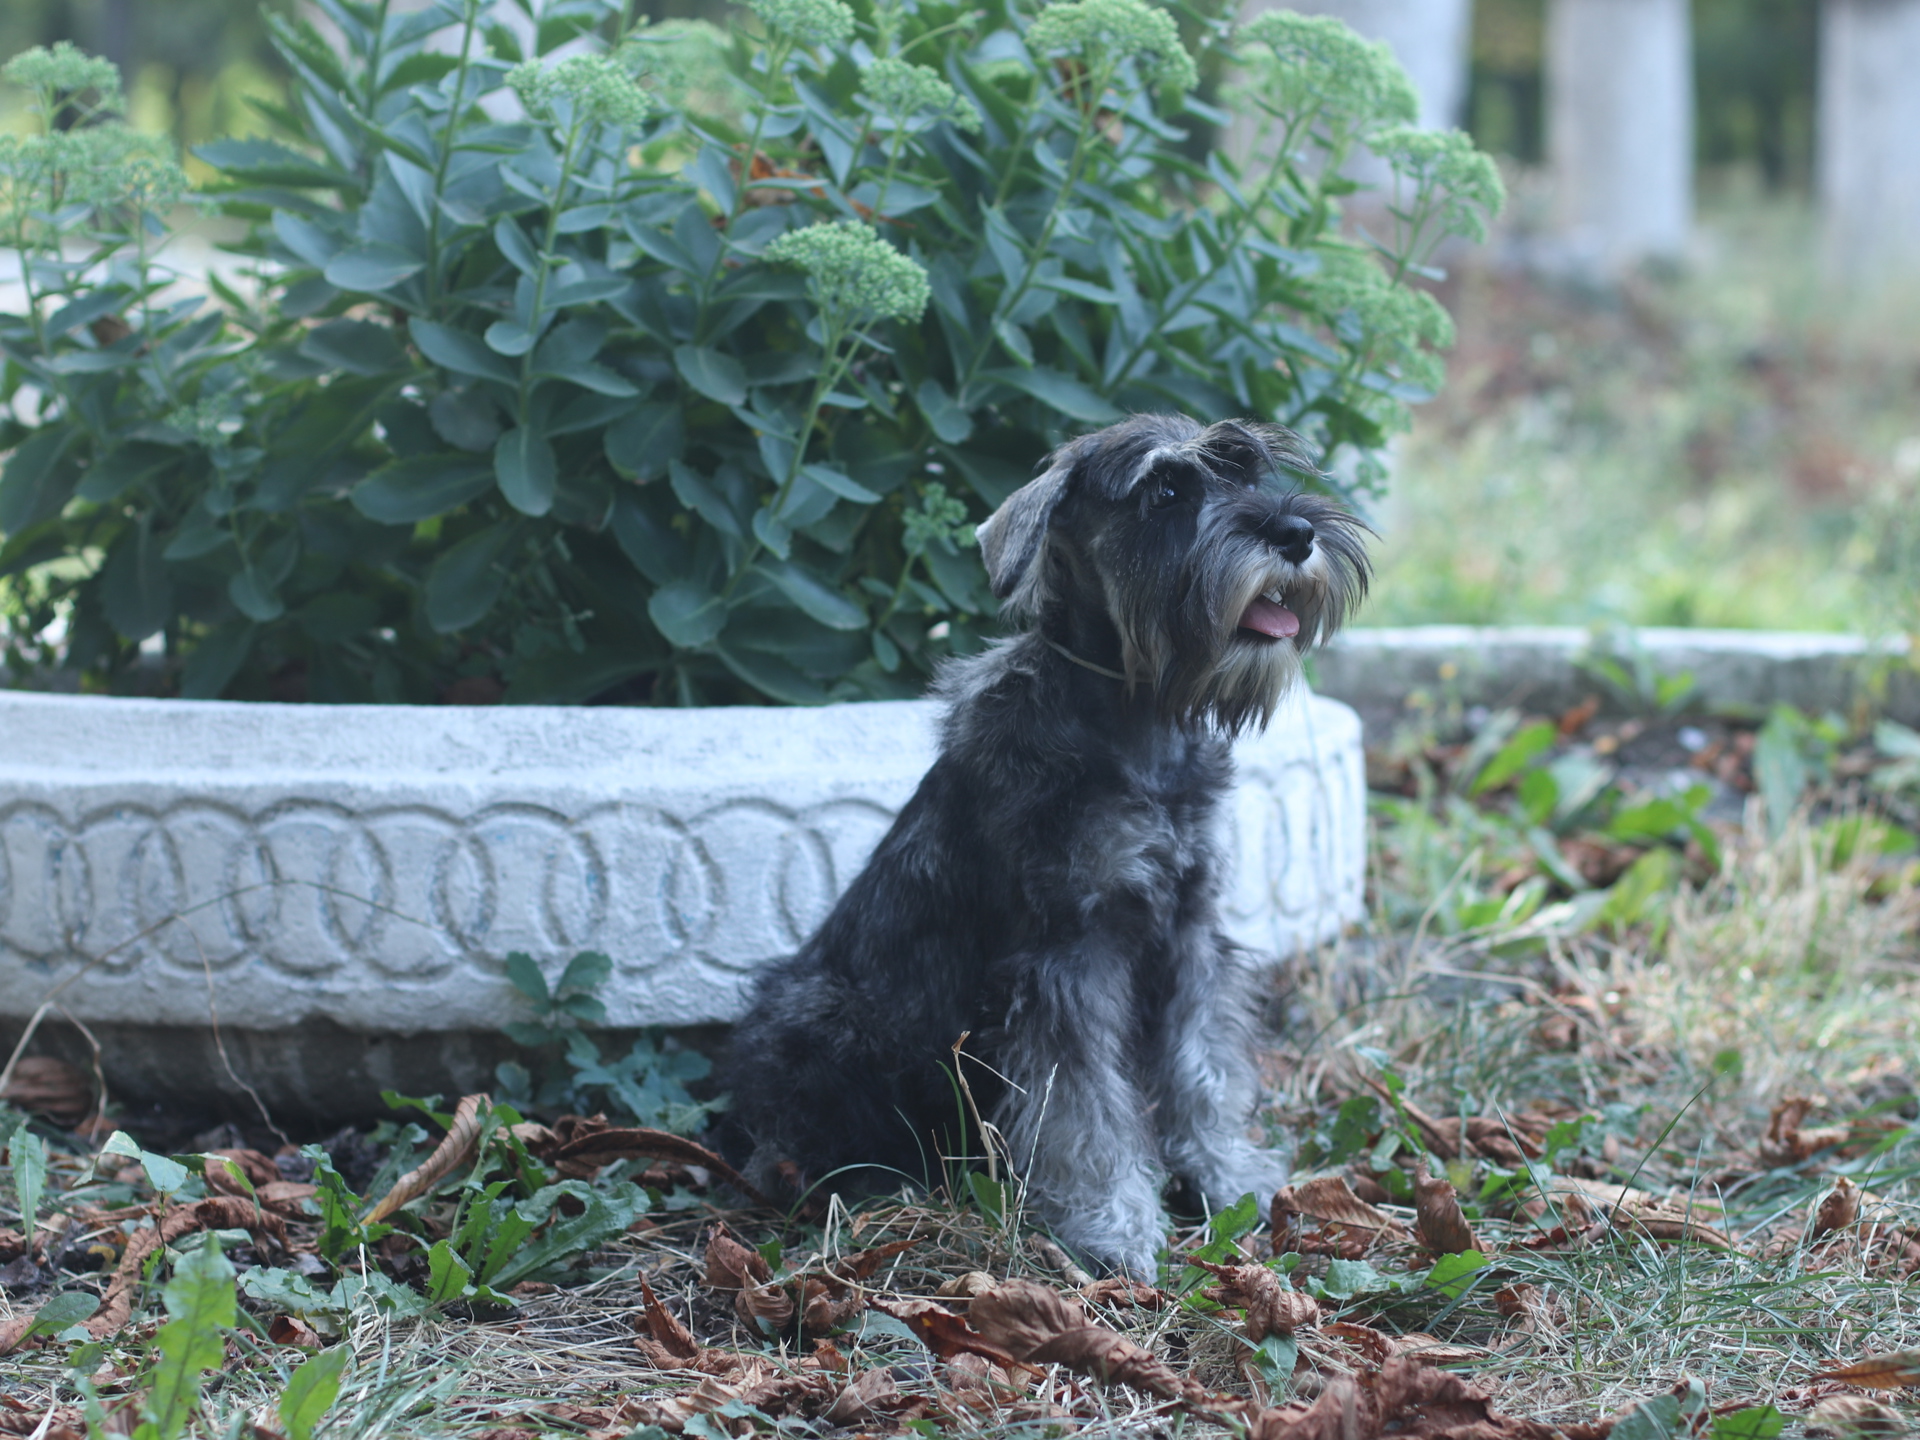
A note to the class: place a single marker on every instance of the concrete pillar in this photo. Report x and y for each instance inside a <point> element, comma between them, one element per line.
<point>1620,128</point>
<point>1867,133</point>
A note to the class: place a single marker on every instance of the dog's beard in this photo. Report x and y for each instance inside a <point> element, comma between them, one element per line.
<point>1228,648</point>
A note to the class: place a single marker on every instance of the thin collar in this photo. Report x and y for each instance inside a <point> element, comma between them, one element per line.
<point>1088,664</point>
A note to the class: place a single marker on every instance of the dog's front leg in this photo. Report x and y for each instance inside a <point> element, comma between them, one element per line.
<point>1202,1075</point>
<point>1075,1123</point>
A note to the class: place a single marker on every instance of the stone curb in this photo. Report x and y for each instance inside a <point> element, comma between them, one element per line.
<point>365,870</point>
<point>1537,668</point>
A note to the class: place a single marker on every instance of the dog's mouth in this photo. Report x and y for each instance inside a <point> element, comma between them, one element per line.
<point>1268,615</point>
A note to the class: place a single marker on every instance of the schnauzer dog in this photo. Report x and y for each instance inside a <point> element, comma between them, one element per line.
<point>1049,893</point>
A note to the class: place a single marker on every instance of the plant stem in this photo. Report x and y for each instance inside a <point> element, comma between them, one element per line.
<point>457,108</point>
<point>574,129</point>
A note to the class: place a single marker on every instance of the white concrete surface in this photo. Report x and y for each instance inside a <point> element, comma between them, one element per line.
<point>374,865</point>
<point>1867,134</point>
<point>1619,82</point>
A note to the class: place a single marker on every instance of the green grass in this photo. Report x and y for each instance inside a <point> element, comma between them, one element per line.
<point>1733,444</point>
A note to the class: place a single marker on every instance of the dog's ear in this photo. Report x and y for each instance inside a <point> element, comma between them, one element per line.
<point>1013,538</point>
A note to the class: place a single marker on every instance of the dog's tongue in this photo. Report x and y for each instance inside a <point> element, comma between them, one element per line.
<point>1270,619</point>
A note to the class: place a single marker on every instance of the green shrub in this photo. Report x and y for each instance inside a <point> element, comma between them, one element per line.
<point>675,369</point>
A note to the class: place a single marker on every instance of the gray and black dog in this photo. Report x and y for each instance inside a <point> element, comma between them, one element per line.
<point>1050,889</point>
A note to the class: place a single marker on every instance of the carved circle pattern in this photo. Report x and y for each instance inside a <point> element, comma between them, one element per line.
<point>316,900</point>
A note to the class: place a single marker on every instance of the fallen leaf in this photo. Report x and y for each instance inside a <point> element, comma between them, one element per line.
<point>1272,1306</point>
<point>731,1265</point>
<point>1858,1418</point>
<point>668,1343</point>
<point>1891,1371</point>
<point>604,1146</point>
<point>216,1212</point>
<point>258,1169</point>
<point>1404,1399</point>
<point>1371,1345</point>
<point>1049,1253</point>
<point>862,1266</point>
<point>291,1330</point>
<point>1786,1143</point>
<point>874,1395</point>
<point>455,1150</point>
<point>826,1304</point>
<point>43,1085</point>
<point>765,1307</point>
<point>946,1334</point>
<point>1441,1224</point>
<point>1838,1208</point>
<point>1330,1199</point>
<point>1119,1290</point>
<point>286,1197</point>
<point>967,1285</point>
<point>1043,1327</point>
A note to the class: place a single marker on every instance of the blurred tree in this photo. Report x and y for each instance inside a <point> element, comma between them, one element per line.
<point>1504,91</point>
<point>1754,71</point>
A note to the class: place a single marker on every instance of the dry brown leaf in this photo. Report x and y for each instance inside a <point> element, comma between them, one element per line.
<point>1049,1253</point>
<point>1330,1199</point>
<point>1891,1371</point>
<point>602,1146</point>
<point>1043,1327</point>
<point>826,1304</point>
<point>292,1330</point>
<point>1404,1399</point>
<point>731,1265</point>
<point>874,1395</point>
<point>1838,1208</point>
<point>1425,1349</point>
<point>1787,1143</point>
<point>216,1212</point>
<point>973,1282</point>
<point>1441,1224</point>
<point>1272,1306</point>
<point>1858,1418</point>
<point>764,1307</point>
<point>258,1169</point>
<point>946,1334</point>
<point>287,1197</point>
<point>42,1085</point>
<point>862,1266</point>
<point>668,1343</point>
<point>1371,1345</point>
<point>1118,1290</point>
<point>456,1149</point>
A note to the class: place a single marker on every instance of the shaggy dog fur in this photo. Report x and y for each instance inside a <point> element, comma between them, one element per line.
<point>1049,892</point>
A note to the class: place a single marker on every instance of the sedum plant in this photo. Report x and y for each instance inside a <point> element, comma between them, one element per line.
<point>576,359</point>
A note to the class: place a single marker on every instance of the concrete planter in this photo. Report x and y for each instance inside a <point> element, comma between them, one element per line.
<point>363,871</point>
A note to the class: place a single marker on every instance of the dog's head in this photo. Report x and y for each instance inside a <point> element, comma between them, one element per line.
<point>1184,548</point>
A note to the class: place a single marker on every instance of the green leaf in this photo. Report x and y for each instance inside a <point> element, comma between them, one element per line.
<point>641,443</point>
<point>514,244</point>
<point>1539,793</point>
<point>830,478</point>
<point>815,596</point>
<point>588,970</point>
<point>267,162</point>
<point>464,419</point>
<point>460,352</point>
<point>990,1195</point>
<point>526,977</point>
<point>510,337</point>
<point>32,484</point>
<point>689,615</point>
<point>59,1312</point>
<point>655,551</point>
<point>716,375</point>
<point>771,675</point>
<point>134,463</point>
<point>448,1276</point>
<point>1514,756</point>
<point>216,660</point>
<point>371,268</point>
<point>1664,1417</point>
<point>165,1174</point>
<point>27,1154</point>
<point>524,464</point>
<point>1452,1274</point>
<point>359,347</point>
<point>311,1391</point>
<point>1347,1278</point>
<point>254,597</point>
<point>467,579</point>
<point>947,417</point>
<point>408,491</point>
<point>1064,393</point>
<point>200,1302</point>
<point>135,591</point>
<point>604,1214</point>
<point>1756,1422</point>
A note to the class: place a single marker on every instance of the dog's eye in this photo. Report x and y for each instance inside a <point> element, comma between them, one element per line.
<point>1165,492</point>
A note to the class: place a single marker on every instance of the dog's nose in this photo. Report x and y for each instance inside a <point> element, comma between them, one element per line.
<point>1291,535</point>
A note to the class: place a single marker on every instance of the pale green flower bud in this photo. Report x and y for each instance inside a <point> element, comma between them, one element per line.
<point>810,22</point>
<point>903,90</point>
<point>1446,163</point>
<point>65,68</point>
<point>1315,62</point>
<point>853,274</point>
<point>598,87</point>
<point>1101,31</point>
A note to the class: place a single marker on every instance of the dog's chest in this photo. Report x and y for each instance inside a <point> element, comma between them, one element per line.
<point>1146,837</point>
